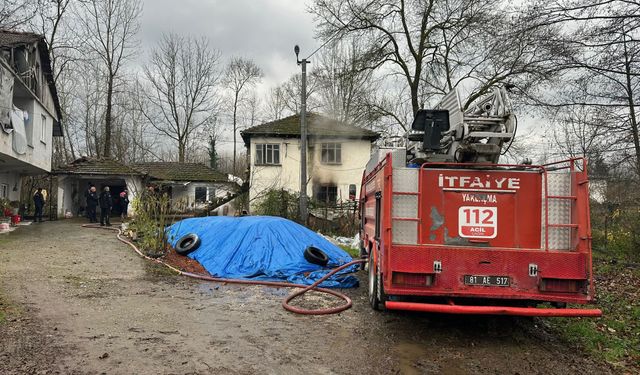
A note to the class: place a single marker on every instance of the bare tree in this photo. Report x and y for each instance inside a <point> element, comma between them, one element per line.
<point>53,23</point>
<point>433,46</point>
<point>241,74</point>
<point>346,92</point>
<point>15,13</point>
<point>581,131</point>
<point>110,28</point>
<point>254,109</point>
<point>275,105</point>
<point>134,139</point>
<point>391,33</point>
<point>606,68</point>
<point>292,93</point>
<point>182,98</point>
<point>89,98</point>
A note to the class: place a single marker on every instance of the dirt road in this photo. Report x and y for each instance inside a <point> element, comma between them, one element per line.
<point>80,302</point>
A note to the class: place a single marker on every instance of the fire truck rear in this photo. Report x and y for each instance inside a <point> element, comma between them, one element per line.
<point>449,229</point>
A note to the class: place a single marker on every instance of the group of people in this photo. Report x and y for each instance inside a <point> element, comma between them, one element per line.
<point>105,201</point>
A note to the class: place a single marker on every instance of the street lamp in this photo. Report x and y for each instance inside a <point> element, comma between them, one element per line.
<point>304,212</point>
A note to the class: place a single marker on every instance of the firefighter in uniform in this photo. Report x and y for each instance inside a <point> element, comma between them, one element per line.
<point>38,202</point>
<point>92,204</point>
<point>106,204</point>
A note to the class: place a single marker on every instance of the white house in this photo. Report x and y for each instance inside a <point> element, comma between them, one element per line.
<point>30,112</point>
<point>337,155</point>
<point>189,185</point>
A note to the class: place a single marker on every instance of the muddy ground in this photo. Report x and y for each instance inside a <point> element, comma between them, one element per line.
<point>80,302</point>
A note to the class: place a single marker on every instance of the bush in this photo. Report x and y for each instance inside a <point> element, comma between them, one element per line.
<point>279,203</point>
<point>616,231</point>
<point>152,215</point>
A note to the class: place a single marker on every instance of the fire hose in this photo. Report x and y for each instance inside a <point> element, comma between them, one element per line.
<point>285,303</point>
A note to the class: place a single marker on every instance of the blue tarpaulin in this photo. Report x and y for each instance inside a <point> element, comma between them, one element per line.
<point>262,248</point>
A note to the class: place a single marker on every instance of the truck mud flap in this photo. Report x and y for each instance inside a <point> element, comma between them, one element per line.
<point>491,310</point>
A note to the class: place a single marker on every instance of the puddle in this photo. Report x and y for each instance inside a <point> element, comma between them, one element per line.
<point>414,359</point>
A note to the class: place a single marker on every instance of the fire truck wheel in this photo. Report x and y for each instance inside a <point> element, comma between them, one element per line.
<point>316,256</point>
<point>187,243</point>
<point>376,289</point>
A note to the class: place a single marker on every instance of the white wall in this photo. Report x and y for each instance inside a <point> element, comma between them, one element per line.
<point>10,179</point>
<point>39,151</point>
<point>355,154</point>
<point>65,195</point>
<point>135,188</point>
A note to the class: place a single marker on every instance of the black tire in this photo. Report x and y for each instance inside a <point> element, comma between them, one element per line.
<point>376,289</point>
<point>187,243</point>
<point>316,256</point>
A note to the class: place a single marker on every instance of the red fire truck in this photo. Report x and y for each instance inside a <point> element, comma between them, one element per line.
<point>448,229</point>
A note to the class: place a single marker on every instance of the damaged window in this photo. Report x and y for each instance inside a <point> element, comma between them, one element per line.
<point>331,153</point>
<point>201,194</point>
<point>327,194</point>
<point>267,153</point>
<point>352,192</point>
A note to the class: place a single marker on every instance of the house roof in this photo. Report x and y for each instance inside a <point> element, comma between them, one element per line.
<point>97,166</point>
<point>318,125</point>
<point>15,39</point>
<point>168,171</point>
<point>161,171</point>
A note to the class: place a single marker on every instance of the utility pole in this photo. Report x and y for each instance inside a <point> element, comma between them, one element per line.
<point>304,212</point>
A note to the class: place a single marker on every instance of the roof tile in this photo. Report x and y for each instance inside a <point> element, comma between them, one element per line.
<point>97,166</point>
<point>169,171</point>
<point>12,38</point>
<point>165,171</point>
<point>318,125</point>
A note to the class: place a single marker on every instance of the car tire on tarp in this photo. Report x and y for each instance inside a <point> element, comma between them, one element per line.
<point>316,256</point>
<point>187,243</point>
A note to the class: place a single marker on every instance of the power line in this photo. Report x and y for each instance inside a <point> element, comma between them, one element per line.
<point>323,44</point>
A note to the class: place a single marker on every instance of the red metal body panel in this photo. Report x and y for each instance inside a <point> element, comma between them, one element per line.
<point>460,261</point>
<point>487,220</point>
<point>518,224</point>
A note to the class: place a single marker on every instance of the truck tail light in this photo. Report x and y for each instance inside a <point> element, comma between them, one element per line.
<point>412,279</point>
<point>561,285</point>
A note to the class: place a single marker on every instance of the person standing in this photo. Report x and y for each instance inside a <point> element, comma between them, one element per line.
<point>92,203</point>
<point>124,204</point>
<point>106,204</point>
<point>38,201</point>
<point>86,198</point>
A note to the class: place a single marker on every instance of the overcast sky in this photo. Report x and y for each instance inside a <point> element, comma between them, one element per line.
<point>263,30</point>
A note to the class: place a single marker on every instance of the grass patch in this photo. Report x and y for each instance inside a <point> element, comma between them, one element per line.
<point>355,253</point>
<point>614,337</point>
<point>156,270</point>
<point>7,309</point>
<point>4,307</point>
